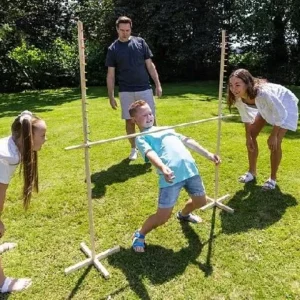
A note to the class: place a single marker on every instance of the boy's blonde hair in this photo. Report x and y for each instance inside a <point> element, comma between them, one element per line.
<point>135,106</point>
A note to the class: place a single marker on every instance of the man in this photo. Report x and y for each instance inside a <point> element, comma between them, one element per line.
<point>130,58</point>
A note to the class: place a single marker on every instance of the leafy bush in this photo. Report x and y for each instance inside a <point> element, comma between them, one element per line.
<point>55,67</point>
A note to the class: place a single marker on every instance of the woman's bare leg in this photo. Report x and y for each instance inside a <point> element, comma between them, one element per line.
<point>276,155</point>
<point>255,128</point>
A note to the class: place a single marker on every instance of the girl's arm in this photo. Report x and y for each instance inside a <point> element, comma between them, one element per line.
<point>3,188</point>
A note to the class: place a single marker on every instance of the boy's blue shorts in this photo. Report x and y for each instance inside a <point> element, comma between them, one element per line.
<point>168,195</point>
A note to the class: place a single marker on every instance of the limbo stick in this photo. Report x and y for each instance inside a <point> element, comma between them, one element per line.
<point>218,201</point>
<point>123,137</point>
<point>92,257</point>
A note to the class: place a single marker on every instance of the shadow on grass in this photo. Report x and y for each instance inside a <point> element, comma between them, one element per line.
<point>36,101</point>
<point>207,267</point>
<point>4,296</point>
<point>200,91</point>
<point>255,208</point>
<point>116,173</point>
<point>79,282</point>
<point>157,264</point>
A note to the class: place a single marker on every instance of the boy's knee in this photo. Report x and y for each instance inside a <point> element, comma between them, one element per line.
<point>200,201</point>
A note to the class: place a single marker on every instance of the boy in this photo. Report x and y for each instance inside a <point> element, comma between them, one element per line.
<point>176,168</point>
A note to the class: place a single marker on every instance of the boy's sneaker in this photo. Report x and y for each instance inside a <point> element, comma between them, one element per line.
<point>189,218</point>
<point>133,154</point>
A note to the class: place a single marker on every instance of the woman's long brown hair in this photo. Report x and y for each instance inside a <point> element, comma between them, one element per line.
<point>251,82</point>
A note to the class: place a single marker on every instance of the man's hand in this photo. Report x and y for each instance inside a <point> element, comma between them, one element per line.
<point>158,91</point>
<point>113,103</point>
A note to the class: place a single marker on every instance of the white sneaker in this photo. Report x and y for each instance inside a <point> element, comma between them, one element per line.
<point>133,154</point>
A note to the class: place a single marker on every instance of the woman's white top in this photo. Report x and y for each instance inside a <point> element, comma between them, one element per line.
<point>278,105</point>
<point>247,113</point>
<point>9,159</point>
<point>275,103</point>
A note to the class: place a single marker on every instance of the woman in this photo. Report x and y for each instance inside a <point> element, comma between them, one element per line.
<point>275,105</point>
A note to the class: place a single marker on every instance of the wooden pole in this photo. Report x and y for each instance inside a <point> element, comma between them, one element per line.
<point>217,201</point>
<point>93,258</point>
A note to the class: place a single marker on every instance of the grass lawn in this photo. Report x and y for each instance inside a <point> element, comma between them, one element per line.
<point>251,254</point>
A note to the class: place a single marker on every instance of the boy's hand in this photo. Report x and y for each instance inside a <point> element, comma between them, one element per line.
<point>168,174</point>
<point>215,158</point>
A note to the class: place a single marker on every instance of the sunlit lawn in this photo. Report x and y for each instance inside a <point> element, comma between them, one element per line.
<point>251,254</point>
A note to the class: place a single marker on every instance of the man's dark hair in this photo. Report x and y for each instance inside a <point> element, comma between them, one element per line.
<point>123,20</point>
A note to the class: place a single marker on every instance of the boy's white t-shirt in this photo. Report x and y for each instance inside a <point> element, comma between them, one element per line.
<point>9,159</point>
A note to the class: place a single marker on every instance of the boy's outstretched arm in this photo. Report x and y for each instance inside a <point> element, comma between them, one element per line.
<point>192,144</point>
<point>157,162</point>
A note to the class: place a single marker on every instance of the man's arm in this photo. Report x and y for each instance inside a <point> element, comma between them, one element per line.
<point>110,81</point>
<point>154,75</point>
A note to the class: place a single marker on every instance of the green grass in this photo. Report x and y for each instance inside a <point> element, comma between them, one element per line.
<point>251,254</point>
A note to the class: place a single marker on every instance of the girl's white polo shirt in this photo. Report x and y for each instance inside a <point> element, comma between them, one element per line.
<point>9,159</point>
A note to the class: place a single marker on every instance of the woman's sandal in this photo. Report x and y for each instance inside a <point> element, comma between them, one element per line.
<point>138,242</point>
<point>247,177</point>
<point>269,185</point>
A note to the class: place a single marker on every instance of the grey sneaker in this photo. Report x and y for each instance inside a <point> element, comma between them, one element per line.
<point>189,218</point>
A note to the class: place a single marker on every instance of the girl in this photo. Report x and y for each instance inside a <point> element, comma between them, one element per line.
<point>28,136</point>
<point>275,105</point>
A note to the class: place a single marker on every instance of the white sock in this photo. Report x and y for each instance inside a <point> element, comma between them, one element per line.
<point>15,285</point>
<point>7,246</point>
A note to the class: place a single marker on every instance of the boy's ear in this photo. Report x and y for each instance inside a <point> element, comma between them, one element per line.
<point>133,120</point>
